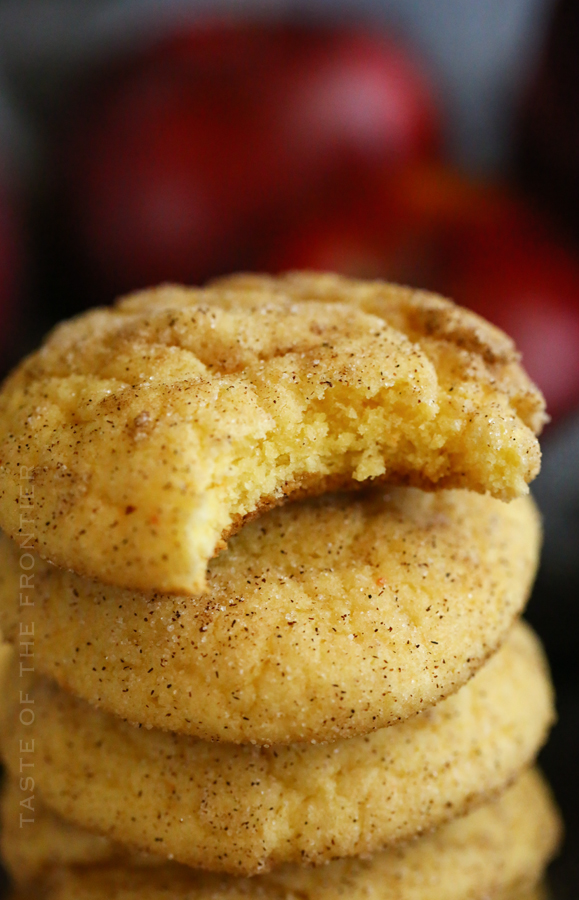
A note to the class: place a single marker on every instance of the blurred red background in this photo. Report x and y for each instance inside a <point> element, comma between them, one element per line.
<point>227,145</point>
<point>210,145</point>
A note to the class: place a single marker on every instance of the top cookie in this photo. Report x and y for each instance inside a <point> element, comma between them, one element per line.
<point>139,437</point>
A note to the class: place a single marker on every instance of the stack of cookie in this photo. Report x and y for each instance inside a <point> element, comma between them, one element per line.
<point>211,693</point>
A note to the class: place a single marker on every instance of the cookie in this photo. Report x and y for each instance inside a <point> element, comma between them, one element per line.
<point>6,658</point>
<point>33,840</point>
<point>140,437</point>
<point>70,883</point>
<point>324,619</point>
<point>498,851</point>
<point>539,892</point>
<point>244,809</point>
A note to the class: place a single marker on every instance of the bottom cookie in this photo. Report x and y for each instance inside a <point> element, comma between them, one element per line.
<point>539,892</point>
<point>497,852</point>
<point>76,889</point>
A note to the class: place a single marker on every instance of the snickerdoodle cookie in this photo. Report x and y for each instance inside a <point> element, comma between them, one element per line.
<point>139,437</point>
<point>324,619</point>
<point>244,809</point>
<point>34,840</point>
<point>500,850</point>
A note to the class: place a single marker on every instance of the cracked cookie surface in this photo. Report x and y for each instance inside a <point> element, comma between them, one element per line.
<point>140,437</point>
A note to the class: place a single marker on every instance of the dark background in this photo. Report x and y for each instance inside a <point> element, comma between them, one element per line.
<point>142,142</point>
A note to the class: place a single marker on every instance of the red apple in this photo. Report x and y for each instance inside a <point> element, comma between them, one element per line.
<point>186,160</point>
<point>392,227</point>
<point>358,95</point>
<point>501,257</point>
<point>520,275</point>
<point>480,244</point>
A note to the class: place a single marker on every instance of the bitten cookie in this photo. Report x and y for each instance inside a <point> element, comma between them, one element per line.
<point>324,619</point>
<point>138,438</point>
<point>244,809</point>
<point>498,851</point>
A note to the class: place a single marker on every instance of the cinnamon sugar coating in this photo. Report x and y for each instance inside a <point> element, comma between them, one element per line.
<point>140,437</point>
<point>323,619</point>
<point>243,809</point>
